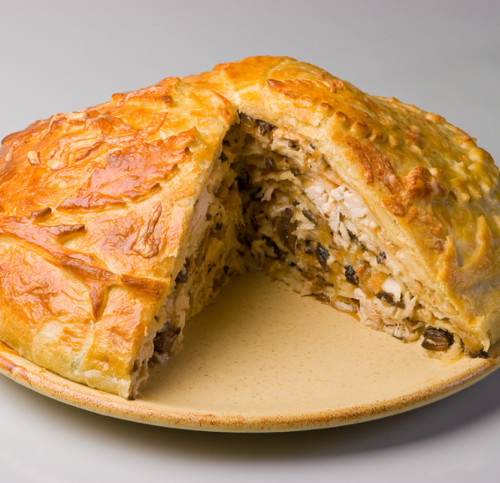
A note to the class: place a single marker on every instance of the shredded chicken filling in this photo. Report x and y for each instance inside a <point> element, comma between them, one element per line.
<point>304,226</point>
<point>272,202</point>
<point>213,256</point>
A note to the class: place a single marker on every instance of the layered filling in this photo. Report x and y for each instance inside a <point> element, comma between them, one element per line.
<point>272,202</point>
<point>213,254</point>
<point>305,227</point>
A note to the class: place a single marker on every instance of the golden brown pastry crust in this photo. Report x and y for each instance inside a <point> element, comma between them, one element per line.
<point>95,205</point>
<point>429,185</point>
<point>94,209</point>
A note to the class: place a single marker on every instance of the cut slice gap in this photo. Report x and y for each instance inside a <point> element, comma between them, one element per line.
<point>273,202</point>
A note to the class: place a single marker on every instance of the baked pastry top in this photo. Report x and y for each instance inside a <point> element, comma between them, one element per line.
<point>94,208</point>
<point>433,191</point>
<point>120,221</point>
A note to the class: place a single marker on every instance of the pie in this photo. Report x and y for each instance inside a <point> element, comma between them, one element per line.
<point>120,222</point>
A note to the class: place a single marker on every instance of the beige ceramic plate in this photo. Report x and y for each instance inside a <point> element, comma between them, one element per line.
<point>262,358</point>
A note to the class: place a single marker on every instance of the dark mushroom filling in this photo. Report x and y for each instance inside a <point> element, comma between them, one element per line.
<point>351,276</point>
<point>389,298</point>
<point>322,256</point>
<point>437,339</point>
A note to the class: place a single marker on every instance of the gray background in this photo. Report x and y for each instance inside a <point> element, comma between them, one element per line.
<point>443,56</point>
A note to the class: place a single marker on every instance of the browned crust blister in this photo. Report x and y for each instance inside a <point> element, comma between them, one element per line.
<point>95,205</point>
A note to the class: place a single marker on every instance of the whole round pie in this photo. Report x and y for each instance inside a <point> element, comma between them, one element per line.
<point>120,222</point>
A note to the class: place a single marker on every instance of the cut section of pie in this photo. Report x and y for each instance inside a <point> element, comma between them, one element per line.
<point>372,205</point>
<point>122,221</point>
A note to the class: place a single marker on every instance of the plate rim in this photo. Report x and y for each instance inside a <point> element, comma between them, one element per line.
<point>45,382</point>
